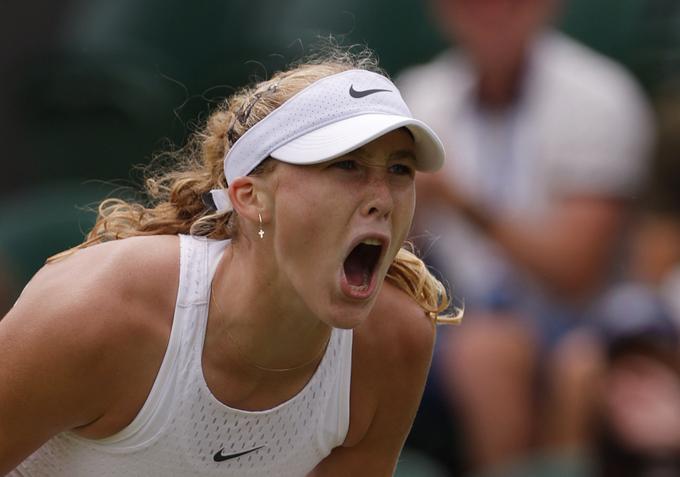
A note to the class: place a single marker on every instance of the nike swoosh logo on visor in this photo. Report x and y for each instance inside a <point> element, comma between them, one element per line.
<point>219,457</point>
<point>360,94</point>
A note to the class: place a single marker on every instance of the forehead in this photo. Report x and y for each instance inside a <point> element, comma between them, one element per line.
<point>399,142</point>
<point>395,145</point>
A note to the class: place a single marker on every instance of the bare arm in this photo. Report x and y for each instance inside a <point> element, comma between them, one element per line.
<point>47,373</point>
<point>568,251</point>
<point>571,250</point>
<point>392,358</point>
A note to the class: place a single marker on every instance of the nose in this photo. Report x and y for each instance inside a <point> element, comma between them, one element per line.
<point>379,201</point>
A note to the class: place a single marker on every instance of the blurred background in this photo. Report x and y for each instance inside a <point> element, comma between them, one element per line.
<point>92,88</point>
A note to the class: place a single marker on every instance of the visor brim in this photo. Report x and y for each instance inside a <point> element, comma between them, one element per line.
<point>341,137</point>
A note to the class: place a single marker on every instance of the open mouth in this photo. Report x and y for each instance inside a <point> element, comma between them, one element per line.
<point>361,263</point>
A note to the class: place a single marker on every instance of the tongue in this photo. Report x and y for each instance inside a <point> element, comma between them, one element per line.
<point>355,270</point>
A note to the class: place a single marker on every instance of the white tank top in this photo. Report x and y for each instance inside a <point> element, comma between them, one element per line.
<point>183,430</point>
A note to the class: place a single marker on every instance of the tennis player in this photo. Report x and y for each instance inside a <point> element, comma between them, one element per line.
<point>258,316</point>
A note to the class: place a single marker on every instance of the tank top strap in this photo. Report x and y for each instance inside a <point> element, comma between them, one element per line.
<point>193,265</point>
<point>199,259</point>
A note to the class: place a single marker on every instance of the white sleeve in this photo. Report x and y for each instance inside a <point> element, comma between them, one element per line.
<point>604,155</point>
<point>602,141</point>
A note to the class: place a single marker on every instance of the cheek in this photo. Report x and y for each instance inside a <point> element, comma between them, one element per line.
<point>406,208</point>
<point>304,219</point>
<point>401,220</point>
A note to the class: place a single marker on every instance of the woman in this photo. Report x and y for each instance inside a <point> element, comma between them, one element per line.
<point>239,325</point>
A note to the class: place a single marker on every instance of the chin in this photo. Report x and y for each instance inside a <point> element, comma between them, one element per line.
<point>348,315</point>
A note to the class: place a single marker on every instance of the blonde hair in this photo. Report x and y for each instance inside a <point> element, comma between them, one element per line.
<point>175,194</point>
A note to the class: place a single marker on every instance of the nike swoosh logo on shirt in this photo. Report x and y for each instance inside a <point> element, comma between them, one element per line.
<point>360,94</point>
<point>219,457</point>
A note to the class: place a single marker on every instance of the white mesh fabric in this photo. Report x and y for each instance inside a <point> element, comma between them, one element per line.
<point>326,101</point>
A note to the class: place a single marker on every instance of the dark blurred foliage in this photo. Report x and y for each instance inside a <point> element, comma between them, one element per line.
<point>109,80</point>
<point>91,87</point>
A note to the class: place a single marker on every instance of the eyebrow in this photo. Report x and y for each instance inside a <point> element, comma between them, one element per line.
<point>403,154</point>
<point>400,154</point>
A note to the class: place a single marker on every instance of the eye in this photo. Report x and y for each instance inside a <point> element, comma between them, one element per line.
<point>347,164</point>
<point>402,170</point>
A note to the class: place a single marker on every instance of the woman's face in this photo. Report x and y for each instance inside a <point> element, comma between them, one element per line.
<point>337,226</point>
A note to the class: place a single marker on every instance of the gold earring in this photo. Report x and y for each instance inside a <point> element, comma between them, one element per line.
<point>261,232</point>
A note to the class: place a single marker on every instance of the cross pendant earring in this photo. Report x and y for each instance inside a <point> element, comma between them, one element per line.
<point>261,232</point>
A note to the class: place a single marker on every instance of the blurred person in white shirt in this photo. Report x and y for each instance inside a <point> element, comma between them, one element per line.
<point>547,142</point>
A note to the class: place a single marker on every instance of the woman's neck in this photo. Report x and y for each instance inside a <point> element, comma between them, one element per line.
<point>499,81</point>
<point>258,319</point>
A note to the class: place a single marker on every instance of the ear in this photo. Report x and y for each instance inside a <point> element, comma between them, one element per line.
<point>249,197</point>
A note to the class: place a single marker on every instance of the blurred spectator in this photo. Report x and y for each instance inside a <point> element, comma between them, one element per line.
<point>617,391</point>
<point>639,401</point>
<point>615,395</point>
<point>547,143</point>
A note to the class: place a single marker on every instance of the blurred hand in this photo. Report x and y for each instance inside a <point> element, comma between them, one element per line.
<point>436,189</point>
<point>642,403</point>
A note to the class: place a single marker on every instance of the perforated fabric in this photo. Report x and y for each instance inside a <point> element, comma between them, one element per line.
<point>184,430</point>
<point>327,101</point>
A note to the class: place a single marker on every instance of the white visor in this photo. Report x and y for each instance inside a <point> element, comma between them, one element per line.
<point>349,134</point>
<point>329,118</point>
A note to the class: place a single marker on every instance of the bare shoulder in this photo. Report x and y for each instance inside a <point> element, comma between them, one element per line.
<point>391,358</point>
<point>75,338</point>
<point>105,277</point>
<point>390,361</point>
<point>399,327</point>
<point>102,294</point>
<point>117,261</point>
<point>100,291</point>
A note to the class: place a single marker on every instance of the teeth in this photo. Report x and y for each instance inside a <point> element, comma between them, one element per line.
<point>371,242</point>
<point>365,285</point>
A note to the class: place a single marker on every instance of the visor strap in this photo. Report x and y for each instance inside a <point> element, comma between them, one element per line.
<point>221,200</point>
